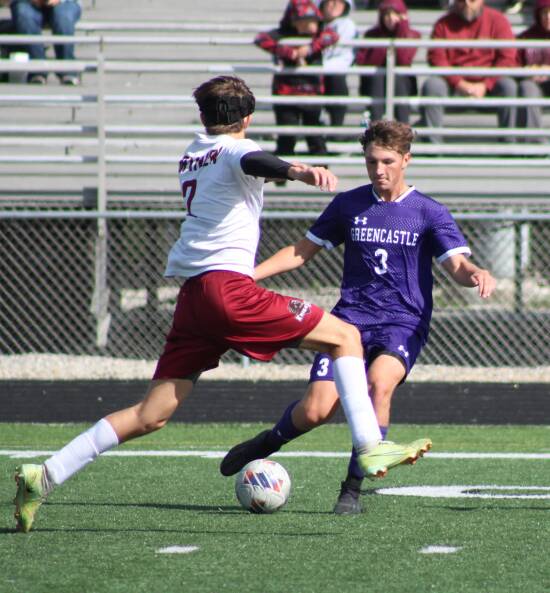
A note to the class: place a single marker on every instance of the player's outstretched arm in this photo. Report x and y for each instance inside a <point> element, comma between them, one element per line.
<point>465,273</point>
<point>263,164</point>
<point>317,176</point>
<point>288,258</point>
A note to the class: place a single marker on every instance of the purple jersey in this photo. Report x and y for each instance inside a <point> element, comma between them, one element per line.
<point>389,248</point>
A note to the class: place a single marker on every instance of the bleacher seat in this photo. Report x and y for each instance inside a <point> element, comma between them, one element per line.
<point>61,130</point>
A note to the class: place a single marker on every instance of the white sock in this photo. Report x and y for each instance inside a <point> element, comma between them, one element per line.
<point>351,383</point>
<point>80,451</point>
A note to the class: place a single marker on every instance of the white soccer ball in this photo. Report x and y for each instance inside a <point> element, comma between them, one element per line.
<point>262,486</point>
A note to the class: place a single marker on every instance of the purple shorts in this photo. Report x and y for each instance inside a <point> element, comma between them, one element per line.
<point>401,342</point>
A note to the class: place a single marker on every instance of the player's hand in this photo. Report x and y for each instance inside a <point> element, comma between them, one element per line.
<point>485,283</point>
<point>319,177</point>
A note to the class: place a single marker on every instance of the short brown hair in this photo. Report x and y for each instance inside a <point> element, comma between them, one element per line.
<point>224,101</point>
<point>394,135</point>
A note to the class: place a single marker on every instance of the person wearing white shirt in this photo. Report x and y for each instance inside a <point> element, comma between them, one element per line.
<point>220,306</point>
<point>338,57</point>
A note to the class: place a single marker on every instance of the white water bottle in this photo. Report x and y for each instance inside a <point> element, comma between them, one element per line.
<point>365,119</point>
<point>18,76</point>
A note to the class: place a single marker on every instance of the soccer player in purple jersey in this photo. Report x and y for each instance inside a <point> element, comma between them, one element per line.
<point>220,306</point>
<point>390,232</point>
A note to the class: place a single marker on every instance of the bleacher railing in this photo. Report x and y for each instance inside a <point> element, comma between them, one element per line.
<point>93,276</point>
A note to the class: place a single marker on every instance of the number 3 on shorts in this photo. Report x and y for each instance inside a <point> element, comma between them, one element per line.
<point>322,369</point>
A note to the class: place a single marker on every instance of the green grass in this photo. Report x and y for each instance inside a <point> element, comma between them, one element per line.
<point>100,532</point>
<point>332,437</point>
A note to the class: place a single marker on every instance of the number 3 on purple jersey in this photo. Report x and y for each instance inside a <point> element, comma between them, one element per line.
<point>188,189</point>
<point>382,254</point>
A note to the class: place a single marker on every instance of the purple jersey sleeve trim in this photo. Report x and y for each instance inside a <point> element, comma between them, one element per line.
<point>318,241</point>
<point>451,252</point>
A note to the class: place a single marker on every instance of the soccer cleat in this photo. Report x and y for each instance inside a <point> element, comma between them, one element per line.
<point>421,446</point>
<point>236,458</point>
<point>348,502</point>
<point>386,455</point>
<point>30,494</point>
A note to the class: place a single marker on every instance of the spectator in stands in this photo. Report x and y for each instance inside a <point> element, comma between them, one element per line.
<point>393,22</point>
<point>336,16</point>
<point>535,86</point>
<point>6,28</point>
<point>29,18</point>
<point>470,19</point>
<point>302,18</point>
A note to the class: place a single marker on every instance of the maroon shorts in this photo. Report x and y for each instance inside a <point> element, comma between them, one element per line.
<point>221,310</point>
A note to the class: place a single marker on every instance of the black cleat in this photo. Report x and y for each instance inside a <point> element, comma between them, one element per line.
<point>348,502</point>
<point>245,452</point>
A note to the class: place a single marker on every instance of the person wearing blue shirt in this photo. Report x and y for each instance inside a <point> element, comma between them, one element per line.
<point>29,18</point>
<point>390,232</point>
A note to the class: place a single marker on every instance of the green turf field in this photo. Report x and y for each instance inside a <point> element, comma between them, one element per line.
<point>103,531</point>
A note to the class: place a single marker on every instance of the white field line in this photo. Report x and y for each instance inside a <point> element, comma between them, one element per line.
<point>440,549</point>
<point>178,550</point>
<point>477,491</point>
<point>25,453</point>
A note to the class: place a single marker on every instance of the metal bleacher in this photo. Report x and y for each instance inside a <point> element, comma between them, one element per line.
<point>120,134</point>
<point>90,203</point>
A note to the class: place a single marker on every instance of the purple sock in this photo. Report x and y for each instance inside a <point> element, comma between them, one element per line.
<point>285,430</point>
<point>354,471</point>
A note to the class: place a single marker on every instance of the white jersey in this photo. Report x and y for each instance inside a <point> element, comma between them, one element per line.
<point>222,227</point>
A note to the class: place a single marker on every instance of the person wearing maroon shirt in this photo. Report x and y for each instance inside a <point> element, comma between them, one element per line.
<point>536,86</point>
<point>393,22</point>
<point>471,19</point>
<point>302,18</point>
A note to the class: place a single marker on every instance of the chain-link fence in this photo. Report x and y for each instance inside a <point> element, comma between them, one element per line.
<point>95,286</point>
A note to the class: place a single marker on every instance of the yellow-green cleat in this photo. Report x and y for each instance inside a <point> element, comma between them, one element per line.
<point>377,462</point>
<point>421,446</point>
<point>30,494</point>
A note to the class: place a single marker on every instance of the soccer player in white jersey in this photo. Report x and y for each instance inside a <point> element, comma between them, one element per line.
<point>221,307</point>
<point>391,233</point>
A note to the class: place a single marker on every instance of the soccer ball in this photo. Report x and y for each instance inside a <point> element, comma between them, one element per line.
<point>262,486</point>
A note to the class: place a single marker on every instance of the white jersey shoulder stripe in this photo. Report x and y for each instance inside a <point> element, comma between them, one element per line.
<point>318,241</point>
<point>464,249</point>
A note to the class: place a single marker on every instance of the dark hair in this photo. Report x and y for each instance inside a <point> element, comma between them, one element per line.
<point>224,101</point>
<point>394,135</point>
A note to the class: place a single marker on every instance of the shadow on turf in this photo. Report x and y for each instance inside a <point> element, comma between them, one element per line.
<point>178,507</point>
<point>210,509</point>
<point>152,505</point>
